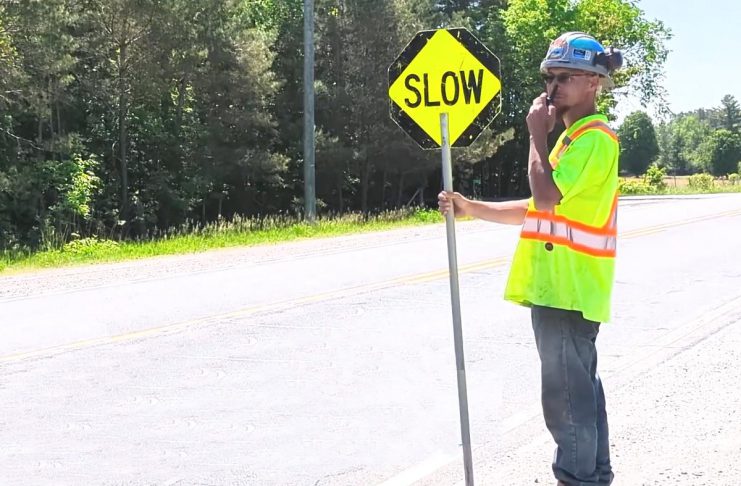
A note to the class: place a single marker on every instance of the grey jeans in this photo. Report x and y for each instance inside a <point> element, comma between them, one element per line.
<point>572,396</point>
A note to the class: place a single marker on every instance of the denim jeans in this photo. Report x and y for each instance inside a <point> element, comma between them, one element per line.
<point>572,396</point>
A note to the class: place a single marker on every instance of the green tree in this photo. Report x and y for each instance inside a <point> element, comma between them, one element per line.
<point>664,141</point>
<point>721,152</point>
<point>131,116</point>
<point>680,141</point>
<point>46,56</point>
<point>730,112</point>
<point>530,26</point>
<point>122,27</point>
<point>356,43</point>
<point>638,145</point>
<point>8,63</point>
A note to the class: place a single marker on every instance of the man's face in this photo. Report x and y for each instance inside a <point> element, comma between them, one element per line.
<point>574,86</point>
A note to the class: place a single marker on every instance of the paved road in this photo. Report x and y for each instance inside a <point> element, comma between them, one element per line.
<point>330,362</point>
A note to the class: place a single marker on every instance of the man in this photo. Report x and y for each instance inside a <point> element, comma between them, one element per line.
<point>564,264</point>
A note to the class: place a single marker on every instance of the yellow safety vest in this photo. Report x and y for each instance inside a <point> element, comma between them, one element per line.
<point>566,258</point>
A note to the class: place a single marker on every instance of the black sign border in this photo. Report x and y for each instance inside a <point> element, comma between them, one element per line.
<point>482,120</point>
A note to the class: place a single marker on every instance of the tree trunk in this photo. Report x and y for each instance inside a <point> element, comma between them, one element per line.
<point>40,133</point>
<point>51,112</point>
<point>422,192</point>
<point>60,128</point>
<point>123,108</point>
<point>57,90</point>
<point>383,189</point>
<point>364,185</point>
<point>400,194</point>
<point>340,197</point>
<point>181,105</point>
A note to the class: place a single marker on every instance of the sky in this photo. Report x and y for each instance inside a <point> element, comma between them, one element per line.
<point>702,66</point>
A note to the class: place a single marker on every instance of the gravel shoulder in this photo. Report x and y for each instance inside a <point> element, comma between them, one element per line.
<point>679,424</point>
<point>676,424</point>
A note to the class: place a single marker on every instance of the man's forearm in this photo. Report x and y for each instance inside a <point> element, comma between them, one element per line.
<point>540,174</point>
<point>505,212</point>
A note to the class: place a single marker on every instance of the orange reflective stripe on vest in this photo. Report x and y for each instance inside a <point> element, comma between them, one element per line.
<point>591,240</point>
<point>565,258</point>
<point>595,125</point>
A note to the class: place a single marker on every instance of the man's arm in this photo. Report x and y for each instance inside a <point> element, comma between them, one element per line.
<point>541,121</point>
<point>540,175</point>
<point>505,212</point>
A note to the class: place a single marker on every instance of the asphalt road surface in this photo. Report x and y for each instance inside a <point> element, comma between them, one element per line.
<point>331,362</point>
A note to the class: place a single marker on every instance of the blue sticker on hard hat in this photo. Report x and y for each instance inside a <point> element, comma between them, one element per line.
<point>587,43</point>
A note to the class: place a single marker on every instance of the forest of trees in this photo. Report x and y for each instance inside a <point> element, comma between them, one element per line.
<point>124,117</point>
<point>704,140</point>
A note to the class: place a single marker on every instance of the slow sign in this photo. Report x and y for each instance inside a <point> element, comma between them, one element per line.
<point>445,71</point>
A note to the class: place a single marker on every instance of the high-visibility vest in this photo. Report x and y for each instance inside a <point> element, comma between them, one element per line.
<point>566,258</point>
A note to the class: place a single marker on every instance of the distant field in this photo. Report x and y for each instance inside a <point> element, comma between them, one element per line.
<point>680,181</point>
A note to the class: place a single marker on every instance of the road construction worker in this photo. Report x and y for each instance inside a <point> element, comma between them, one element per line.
<point>563,266</point>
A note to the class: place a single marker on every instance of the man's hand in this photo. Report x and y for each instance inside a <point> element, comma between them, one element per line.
<point>446,200</point>
<point>541,120</point>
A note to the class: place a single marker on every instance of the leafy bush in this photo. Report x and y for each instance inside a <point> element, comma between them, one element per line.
<point>733,179</point>
<point>702,182</point>
<point>427,216</point>
<point>89,246</point>
<point>630,187</point>
<point>654,178</point>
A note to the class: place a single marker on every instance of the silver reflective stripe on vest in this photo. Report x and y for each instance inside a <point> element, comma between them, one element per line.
<point>564,231</point>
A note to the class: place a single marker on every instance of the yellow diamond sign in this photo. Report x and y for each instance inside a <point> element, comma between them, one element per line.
<point>445,71</point>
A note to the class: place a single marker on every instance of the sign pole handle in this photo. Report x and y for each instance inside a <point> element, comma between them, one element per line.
<point>456,304</point>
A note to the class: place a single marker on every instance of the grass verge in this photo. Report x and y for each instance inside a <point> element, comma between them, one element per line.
<point>659,185</point>
<point>222,234</point>
<point>251,232</point>
<point>689,191</point>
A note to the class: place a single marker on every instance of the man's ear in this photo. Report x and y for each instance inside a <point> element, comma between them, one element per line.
<point>595,83</point>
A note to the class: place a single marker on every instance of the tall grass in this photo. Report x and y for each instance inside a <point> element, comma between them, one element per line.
<point>194,237</point>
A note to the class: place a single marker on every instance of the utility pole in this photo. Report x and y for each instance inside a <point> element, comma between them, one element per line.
<point>309,129</point>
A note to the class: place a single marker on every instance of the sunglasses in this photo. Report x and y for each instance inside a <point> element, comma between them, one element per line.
<point>563,78</point>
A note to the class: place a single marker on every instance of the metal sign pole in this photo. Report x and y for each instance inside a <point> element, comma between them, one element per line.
<point>456,304</point>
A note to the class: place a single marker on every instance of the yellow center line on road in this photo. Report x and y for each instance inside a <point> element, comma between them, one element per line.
<point>665,226</point>
<point>320,297</point>
<point>252,310</point>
